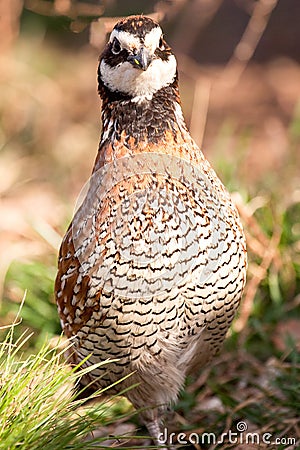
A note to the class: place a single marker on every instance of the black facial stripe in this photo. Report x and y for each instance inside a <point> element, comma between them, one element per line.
<point>111,59</point>
<point>163,54</point>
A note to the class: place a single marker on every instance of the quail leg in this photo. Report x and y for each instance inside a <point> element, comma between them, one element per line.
<point>158,436</point>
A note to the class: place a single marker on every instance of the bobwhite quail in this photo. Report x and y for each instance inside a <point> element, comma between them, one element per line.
<point>152,267</point>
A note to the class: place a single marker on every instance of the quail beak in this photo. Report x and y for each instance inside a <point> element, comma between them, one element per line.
<point>141,60</point>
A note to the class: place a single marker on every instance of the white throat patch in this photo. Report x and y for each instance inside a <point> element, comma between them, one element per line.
<point>138,83</point>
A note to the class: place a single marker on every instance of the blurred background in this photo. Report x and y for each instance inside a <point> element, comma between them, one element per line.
<point>239,68</point>
<point>240,85</point>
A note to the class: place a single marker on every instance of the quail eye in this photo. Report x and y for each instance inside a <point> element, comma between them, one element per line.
<point>161,44</point>
<point>116,47</point>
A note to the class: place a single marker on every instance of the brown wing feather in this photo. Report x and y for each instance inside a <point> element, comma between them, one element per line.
<point>70,287</point>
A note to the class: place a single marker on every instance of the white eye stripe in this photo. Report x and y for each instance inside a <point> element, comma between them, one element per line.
<point>129,41</point>
<point>152,39</point>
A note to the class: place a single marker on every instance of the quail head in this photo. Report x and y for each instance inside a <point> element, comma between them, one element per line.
<point>153,265</point>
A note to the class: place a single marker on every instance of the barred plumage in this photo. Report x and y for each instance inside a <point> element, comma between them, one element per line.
<point>152,267</point>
